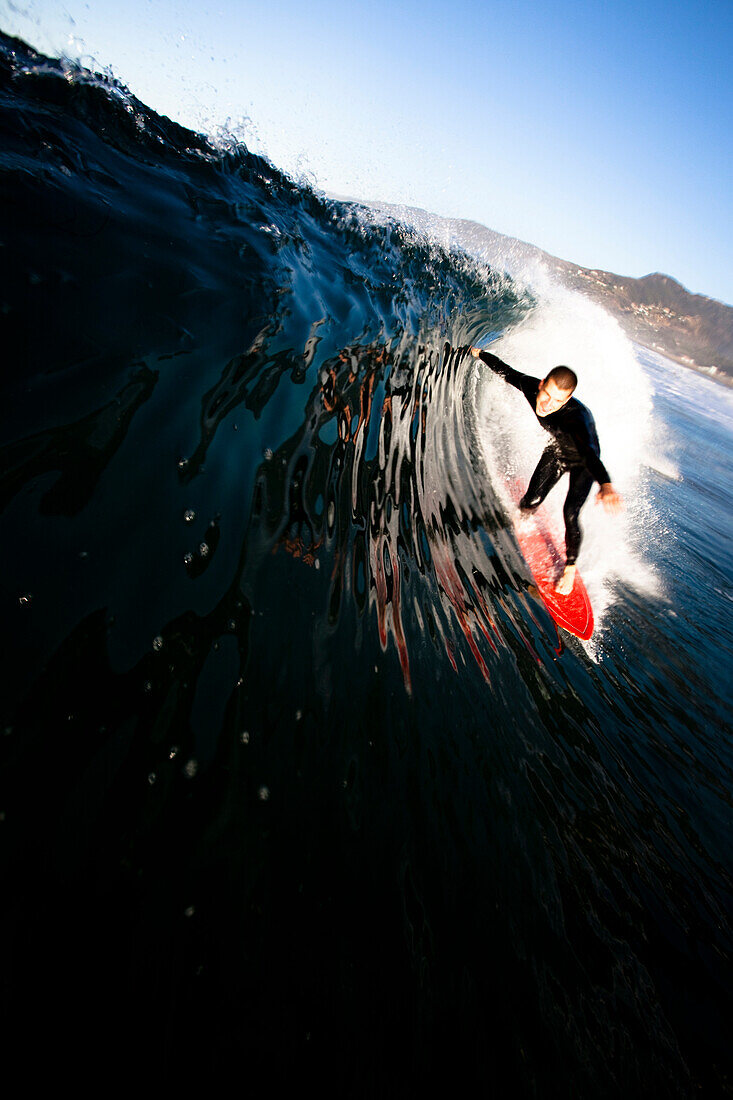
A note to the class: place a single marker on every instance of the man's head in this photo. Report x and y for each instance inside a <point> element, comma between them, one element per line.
<point>555,390</point>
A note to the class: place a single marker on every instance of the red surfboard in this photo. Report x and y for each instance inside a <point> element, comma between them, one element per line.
<point>546,562</point>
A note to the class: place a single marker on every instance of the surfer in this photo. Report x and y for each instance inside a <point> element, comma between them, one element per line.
<point>574,449</point>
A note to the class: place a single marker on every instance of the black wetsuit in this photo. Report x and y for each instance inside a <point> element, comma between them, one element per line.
<point>574,449</point>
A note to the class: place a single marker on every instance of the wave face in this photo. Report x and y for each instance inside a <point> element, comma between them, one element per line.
<point>299,777</point>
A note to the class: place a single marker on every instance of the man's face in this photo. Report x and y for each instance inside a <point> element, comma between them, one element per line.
<point>550,397</point>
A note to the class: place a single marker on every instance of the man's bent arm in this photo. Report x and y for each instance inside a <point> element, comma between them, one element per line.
<point>593,461</point>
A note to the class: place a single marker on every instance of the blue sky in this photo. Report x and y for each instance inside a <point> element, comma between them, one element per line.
<point>601,132</point>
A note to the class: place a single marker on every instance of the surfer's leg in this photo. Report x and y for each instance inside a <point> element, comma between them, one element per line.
<point>581,481</point>
<point>548,472</point>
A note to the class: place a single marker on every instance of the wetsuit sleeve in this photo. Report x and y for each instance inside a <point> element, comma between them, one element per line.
<point>591,457</point>
<point>596,467</point>
<point>523,382</point>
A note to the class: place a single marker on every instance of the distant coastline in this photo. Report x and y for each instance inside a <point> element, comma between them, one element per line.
<point>658,313</point>
<point>655,311</point>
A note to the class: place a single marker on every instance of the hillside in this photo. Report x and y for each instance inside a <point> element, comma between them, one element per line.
<point>657,312</point>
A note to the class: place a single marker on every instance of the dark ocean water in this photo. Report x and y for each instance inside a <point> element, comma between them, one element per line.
<point>298,781</point>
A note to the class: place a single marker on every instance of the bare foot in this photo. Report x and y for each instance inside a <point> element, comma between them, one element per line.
<point>565,584</point>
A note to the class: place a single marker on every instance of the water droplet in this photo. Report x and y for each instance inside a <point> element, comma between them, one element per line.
<point>148,686</point>
<point>182,463</point>
<point>151,778</point>
<point>317,563</point>
<point>173,752</point>
<point>189,515</point>
<point>191,768</point>
<point>263,794</point>
<point>232,625</point>
<point>157,643</point>
<point>23,600</point>
<point>188,559</point>
<point>203,549</point>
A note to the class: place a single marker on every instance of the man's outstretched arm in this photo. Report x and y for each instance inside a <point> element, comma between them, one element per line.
<point>509,374</point>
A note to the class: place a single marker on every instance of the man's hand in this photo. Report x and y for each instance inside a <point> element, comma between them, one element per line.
<point>609,498</point>
<point>475,352</point>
